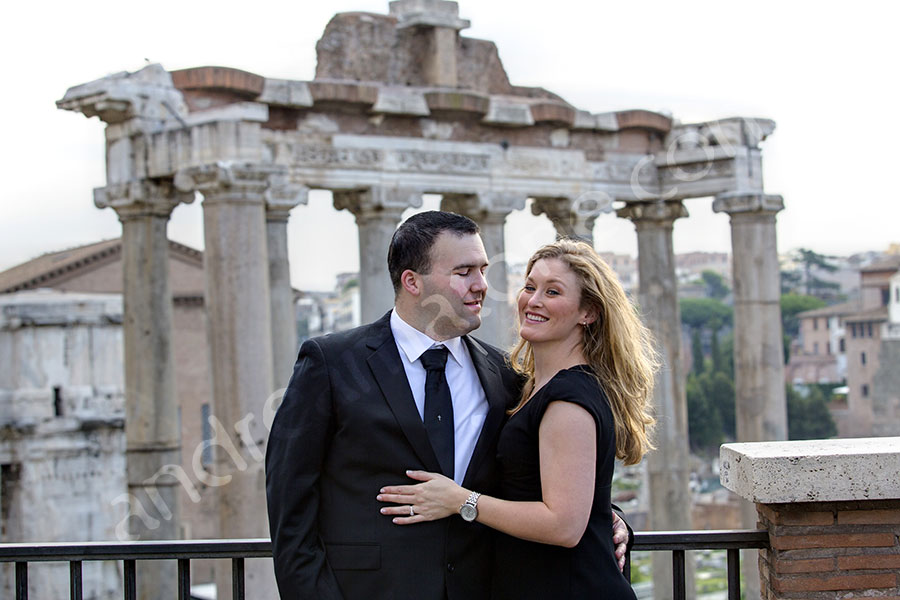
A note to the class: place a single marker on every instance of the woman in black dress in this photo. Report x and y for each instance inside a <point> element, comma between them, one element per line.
<point>589,365</point>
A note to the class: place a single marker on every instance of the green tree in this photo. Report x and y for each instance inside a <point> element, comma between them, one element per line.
<point>710,400</point>
<point>715,284</point>
<point>813,260</point>
<point>791,305</point>
<point>808,415</point>
<point>696,351</point>
<point>721,392</point>
<point>790,281</point>
<point>704,422</point>
<point>697,312</point>
<point>714,351</point>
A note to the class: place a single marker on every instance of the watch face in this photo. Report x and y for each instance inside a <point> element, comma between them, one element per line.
<point>468,512</point>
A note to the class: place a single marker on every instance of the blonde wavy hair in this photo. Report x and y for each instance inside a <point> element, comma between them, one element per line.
<point>617,346</point>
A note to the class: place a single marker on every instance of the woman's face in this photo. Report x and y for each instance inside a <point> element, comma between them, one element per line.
<point>549,304</point>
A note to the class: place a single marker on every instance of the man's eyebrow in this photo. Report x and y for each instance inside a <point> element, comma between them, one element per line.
<point>470,266</point>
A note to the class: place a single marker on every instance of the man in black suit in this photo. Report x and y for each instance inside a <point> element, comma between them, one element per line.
<point>351,421</point>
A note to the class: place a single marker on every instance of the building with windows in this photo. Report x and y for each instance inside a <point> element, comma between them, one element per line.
<point>819,355</point>
<point>873,355</point>
<point>856,343</point>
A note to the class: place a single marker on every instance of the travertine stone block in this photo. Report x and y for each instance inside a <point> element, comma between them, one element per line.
<point>813,470</point>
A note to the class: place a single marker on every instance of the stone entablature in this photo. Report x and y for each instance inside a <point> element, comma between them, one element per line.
<point>553,150</point>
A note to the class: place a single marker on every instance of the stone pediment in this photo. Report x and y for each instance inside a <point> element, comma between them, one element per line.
<point>53,268</point>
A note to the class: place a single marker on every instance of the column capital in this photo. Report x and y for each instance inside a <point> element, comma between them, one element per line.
<point>142,197</point>
<point>230,182</point>
<point>661,212</point>
<point>282,196</point>
<point>484,207</point>
<point>574,217</point>
<point>377,202</point>
<point>747,202</point>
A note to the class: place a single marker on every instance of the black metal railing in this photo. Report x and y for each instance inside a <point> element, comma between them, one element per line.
<point>184,551</point>
<point>678,542</point>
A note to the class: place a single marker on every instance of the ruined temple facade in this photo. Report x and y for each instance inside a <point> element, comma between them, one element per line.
<point>62,434</point>
<point>402,105</point>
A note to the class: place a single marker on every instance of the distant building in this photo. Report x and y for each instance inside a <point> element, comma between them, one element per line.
<point>857,343</point>
<point>626,267</point>
<point>873,354</point>
<point>819,354</point>
<point>326,312</point>
<point>689,266</point>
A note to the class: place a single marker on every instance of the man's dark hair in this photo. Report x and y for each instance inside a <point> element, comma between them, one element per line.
<point>411,245</point>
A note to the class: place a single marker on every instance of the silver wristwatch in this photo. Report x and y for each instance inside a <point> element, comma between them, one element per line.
<point>469,510</point>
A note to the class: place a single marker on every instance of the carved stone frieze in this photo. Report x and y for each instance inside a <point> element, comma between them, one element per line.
<point>319,155</point>
<point>441,162</point>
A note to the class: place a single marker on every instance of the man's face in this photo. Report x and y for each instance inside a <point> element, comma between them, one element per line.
<point>454,290</point>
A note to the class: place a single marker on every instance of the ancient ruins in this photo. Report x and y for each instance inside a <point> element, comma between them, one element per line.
<point>402,105</point>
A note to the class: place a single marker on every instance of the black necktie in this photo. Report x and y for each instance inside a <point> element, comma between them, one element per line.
<point>439,408</point>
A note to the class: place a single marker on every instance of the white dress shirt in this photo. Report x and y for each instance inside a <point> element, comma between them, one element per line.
<point>470,405</point>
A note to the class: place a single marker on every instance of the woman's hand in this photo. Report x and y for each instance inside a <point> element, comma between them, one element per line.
<point>437,497</point>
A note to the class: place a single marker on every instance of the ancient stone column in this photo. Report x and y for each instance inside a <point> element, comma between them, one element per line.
<point>489,210</point>
<point>240,342</point>
<point>761,411</point>
<point>378,211</point>
<point>668,466</point>
<point>280,199</point>
<point>574,218</point>
<point>152,428</point>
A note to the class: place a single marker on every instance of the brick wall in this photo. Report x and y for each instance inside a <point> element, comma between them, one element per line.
<point>831,550</point>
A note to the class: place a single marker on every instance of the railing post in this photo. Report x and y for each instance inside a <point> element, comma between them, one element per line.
<point>75,584</point>
<point>237,578</point>
<point>734,574</point>
<point>678,582</point>
<point>184,579</point>
<point>130,580</point>
<point>21,581</point>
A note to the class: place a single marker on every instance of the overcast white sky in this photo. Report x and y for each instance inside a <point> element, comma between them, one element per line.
<point>825,72</point>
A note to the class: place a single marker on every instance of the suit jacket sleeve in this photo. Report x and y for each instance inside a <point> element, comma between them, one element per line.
<point>630,543</point>
<point>298,440</point>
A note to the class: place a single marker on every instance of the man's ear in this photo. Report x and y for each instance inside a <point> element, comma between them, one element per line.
<point>409,281</point>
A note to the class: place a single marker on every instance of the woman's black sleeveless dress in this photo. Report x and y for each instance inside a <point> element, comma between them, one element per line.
<point>524,570</point>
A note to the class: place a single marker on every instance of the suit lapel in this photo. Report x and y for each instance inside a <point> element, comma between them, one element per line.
<point>387,369</point>
<point>494,391</point>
